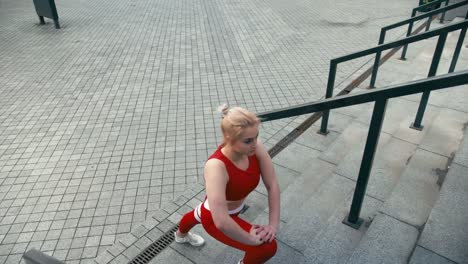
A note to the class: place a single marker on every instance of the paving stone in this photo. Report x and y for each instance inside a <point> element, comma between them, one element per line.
<point>170,256</point>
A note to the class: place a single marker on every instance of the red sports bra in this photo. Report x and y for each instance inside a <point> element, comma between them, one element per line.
<point>241,182</point>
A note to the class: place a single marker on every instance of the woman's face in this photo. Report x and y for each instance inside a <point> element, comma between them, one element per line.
<point>247,142</point>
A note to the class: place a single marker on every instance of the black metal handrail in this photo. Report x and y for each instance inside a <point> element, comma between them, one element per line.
<point>380,97</point>
<point>440,32</point>
<point>410,23</point>
<point>433,3</point>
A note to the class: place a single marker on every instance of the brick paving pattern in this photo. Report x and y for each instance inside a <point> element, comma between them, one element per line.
<point>108,118</point>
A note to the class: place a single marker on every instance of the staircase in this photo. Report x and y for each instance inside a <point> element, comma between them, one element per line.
<point>415,205</point>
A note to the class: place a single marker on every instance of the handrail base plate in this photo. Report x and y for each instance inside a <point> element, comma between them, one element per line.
<point>356,225</point>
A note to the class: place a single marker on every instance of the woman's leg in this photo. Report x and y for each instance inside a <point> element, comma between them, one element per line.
<point>187,222</point>
<point>253,254</point>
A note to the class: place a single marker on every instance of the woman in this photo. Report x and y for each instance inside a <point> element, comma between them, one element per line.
<point>231,173</point>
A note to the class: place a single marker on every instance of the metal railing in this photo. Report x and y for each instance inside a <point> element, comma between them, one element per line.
<point>380,98</point>
<point>421,8</point>
<point>410,23</point>
<point>440,32</point>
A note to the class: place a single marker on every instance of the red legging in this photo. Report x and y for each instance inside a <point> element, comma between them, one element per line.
<point>253,254</point>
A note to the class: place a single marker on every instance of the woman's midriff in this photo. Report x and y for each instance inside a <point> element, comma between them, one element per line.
<point>232,205</point>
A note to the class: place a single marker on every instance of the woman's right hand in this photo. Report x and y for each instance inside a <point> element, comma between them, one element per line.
<point>254,234</point>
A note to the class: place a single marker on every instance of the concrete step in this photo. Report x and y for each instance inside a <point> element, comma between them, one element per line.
<point>444,233</point>
<point>387,241</point>
<point>393,233</point>
<point>314,213</point>
<point>444,135</point>
<point>336,242</point>
<point>306,185</point>
<point>415,194</point>
<point>351,136</point>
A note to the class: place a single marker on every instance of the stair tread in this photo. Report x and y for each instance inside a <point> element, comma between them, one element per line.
<point>440,227</point>
<point>448,126</point>
<point>339,238</point>
<point>424,256</point>
<point>387,241</point>
<point>352,135</point>
<point>296,156</point>
<point>314,175</point>
<point>417,190</point>
<point>314,213</point>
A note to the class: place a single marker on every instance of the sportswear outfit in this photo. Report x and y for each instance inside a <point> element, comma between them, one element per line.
<point>240,184</point>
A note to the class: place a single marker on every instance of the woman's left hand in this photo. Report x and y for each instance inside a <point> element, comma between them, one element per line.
<point>266,232</point>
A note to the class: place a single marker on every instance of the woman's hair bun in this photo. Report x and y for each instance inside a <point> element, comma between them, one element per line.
<point>223,109</point>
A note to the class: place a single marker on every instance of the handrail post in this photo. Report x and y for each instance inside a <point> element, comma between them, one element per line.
<point>331,82</point>
<point>442,17</point>
<point>428,24</point>
<point>432,72</point>
<point>377,60</point>
<point>372,141</point>
<point>456,53</point>
<point>408,33</point>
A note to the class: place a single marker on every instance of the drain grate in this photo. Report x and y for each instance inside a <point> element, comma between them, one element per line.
<point>155,248</point>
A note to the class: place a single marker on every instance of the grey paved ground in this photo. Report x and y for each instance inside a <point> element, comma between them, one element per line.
<point>104,120</point>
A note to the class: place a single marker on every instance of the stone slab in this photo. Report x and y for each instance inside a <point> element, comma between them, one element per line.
<point>351,163</point>
<point>337,122</point>
<point>461,157</point>
<point>355,133</point>
<point>284,176</point>
<point>405,132</point>
<point>336,242</point>
<point>170,256</point>
<point>295,156</point>
<point>387,241</point>
<point>417,190</point>
<point>424,256</point>
<point>314,213</point>
<point>389,163</point>
<point>309,182</point>
<point>445,232</point>
<point>447,126</point>
<point>314,140</point>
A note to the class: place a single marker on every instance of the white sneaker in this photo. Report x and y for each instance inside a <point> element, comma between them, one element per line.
<point>194,239</point>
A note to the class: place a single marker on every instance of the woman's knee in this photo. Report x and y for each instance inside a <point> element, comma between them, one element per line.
<point>271,247</point>
<point>268,250</point>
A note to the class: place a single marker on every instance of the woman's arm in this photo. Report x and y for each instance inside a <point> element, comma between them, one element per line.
<point>271,184</point>
<point>216,179</point>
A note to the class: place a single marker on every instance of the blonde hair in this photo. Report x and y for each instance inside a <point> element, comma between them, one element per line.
<point>235,120</point>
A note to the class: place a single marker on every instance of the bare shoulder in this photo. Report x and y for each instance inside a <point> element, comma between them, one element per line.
<point>214,168</point>
<point>260,150</point>
<point>214,164</point>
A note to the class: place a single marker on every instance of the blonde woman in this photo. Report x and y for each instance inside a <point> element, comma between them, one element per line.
<point>231,173</point>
